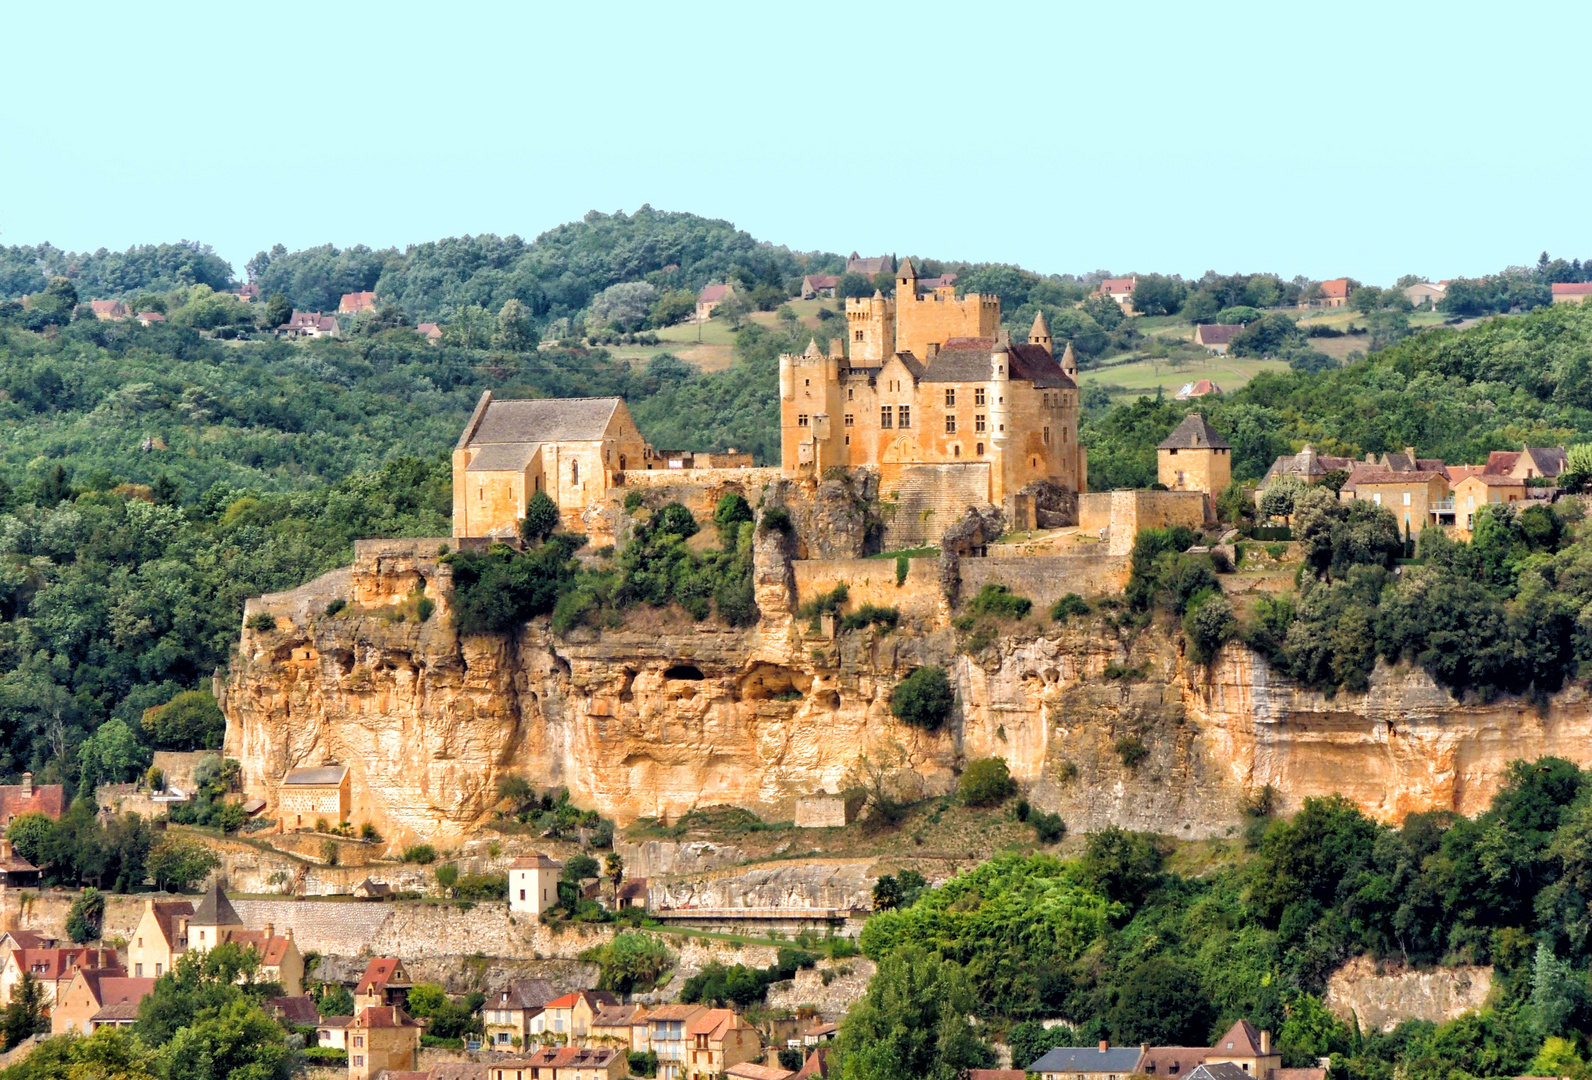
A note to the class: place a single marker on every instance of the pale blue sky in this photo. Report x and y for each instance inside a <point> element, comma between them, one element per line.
<point>1441,139</point>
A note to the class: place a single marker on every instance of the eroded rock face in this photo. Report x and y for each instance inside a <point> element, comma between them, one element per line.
<point>1105,726</point>
<point>1381,999</point>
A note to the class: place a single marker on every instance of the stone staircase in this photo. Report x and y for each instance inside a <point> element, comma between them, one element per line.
<point>930,499</point>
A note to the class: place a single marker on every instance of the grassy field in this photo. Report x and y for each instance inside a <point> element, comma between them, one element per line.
<point>1143,376</point>
<point>710,345</point>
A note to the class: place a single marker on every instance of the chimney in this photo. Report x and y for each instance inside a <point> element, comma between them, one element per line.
<point>932,350</point>
<point>5,849</point>
<point>27,785</point>
<point>1104,1046</point>
<point>1265,1042</point>
<point>270,932</point>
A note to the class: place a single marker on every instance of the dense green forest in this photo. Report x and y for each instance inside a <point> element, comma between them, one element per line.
<point>1134,952</point>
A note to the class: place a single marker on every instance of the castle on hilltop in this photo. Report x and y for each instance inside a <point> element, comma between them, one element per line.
<point>932,393</point>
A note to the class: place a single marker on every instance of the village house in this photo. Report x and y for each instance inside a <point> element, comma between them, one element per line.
<point>1335,293</point>
<point>385,982</point>
<point>430,331</point>
<point>30,798</point>
<point>666,1037</point>
<point>817,1064</point>
<point>710,298</point>
<point>1414,490</point>
<point>751,1070</point>
<point>1243,1053</point>
<point>160,937</point>
<point>298,1010</point>
<point>97,998</point>
<point>564,1063</point>
<point>816,285</point>
<point>109,310</point>
<point>1120,289</point>
<point>149,318</point>
<point>717,1039</point>
<point>1105,1062</point>
<point>1425,293</point>
<point>1307,467</point>
<point>869,268</point>
<point>937,397</point>
<point>1216,337</point>
<point>53,969</point>
<point>374,890</point>
<point>618,1026</point>
<point>216,922</point>
<point>382,1037</point>
<point>822,1032</point>
<point>568,1018</point>
<point>307,324</point>
<point>1528,463</point>
<point>355,302</point>
<point>320,793</point>
<point>1194,458</point>
<point>1474,487</point>
<point>15,871</point>
<point>533,883</point>
<point>247,293</point>
<point>332,1032</point>
<point>1571,292</point>
<point>12,940</point>
<point>508,1016</point>
<point>1197,389</point>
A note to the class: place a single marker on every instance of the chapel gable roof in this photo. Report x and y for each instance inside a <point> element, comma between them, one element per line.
<point>543,420</point>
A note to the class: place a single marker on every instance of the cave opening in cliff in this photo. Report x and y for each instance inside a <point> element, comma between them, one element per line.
<point>684,671</point>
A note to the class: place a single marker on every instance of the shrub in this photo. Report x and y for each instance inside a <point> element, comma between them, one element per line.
<point>1131,750</point>
<point>329,851</point>
<point>420,853</point>
<point>88,911</point>
<point>632,502</point>
<point>1001,602</point>
<point>985,782</point>
<point>923,699</point>
<point>1068,606</point>
<point>423,608</point>
<point>336,605</point>
<point>903,566</point>
<point>731,511</point>
<point>368,833</point>
<point>261,623</point>
<point>1023,809</point>
<point>869,615</point>
<point>540,520</point>
<point>824,603</point>
<point>1049,828</point>
<point>775,519</point>
<point>448,875</point>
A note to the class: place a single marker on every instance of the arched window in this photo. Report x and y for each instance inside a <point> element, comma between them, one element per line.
<point>980,449</point>
<point>574,472</point>
<point>621,463</point>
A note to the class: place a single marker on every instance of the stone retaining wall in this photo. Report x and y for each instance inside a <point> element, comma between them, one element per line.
<point>1044,579</point>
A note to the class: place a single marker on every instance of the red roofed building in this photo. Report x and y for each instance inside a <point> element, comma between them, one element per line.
<point>711,297</point>
<point>1198,389</point>
<point>717,1039</point>
<point>150,318</point>
<point>569,1017</point>
<point>430,331</point>
<point>53,968</point>
<point>95,998</point>
<point>382,1037</point>
<point>111,310</point>
<point>816,285</point>
<point>1335,293</point>
<point>817,1064</point>
<point>564,1063</point>
<point>385,982</point>
<point>1571,292</point>
<point>355,302</point>
<point>30,798</point>
<point>1120,289</point>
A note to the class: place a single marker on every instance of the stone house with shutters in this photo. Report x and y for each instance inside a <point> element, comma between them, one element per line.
<point>159,938</point>
<point>1414,490</point>
<point>382,1037</point>
<point>385,982</point>
<point>96,998</point>
<point>513,1016</point>
<point>533,883</point>
<point>717,1039</point>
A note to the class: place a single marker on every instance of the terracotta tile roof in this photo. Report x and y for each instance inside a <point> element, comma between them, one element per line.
<point>1201,388</point>
<point>1172,1061</point>
<point>1218,333</point>
<point>151,317</point>
<point>355,302</point>
<point>713,293</point>
<point>272,948</point>
<point>53,964</point>
<point>429,330</point>
<point>996,1074</point>
<point>618,1016</point>
<point>46,799</point>
<point>167,913</point>
<point>16,864</point>
<point>748,1070</point>
<point>26,939</point>
<point>383,1016</point>
<point>820,281</point>
<point>108,307</point>
<point>458,1070</point>
<point>1377,476</point>
<point>714,1023</point>
<point>1336,289</point>
<point>1113,285</point>
<point>299,1010</point>
<point>1298,1074</point>
<point>1572,288</point>
<point>564,1057</point>
<point>1194,433</point>
<point>817,1064</point>
<point>674,1012</point>
<point>1489,479</point>
<point>111,986</point>
<point>380,973</point>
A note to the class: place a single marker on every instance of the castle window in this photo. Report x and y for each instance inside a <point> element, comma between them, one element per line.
<point>1047,436</point>
<point>848,440</point>
<point>574,472</point>
<point>850,419</point>
<point>1063,434</point>
<point>906,416</point>
<point>886,415</point>
<point>956,451</point>
<point>950,425</point>
<point>950,399</point>
<point>978,396</point>
<point>978,422</point>
<point>807,382</point>
<point>849,393</point>
<point>980,449</point>
<point>801,420</point>
<point>857,336</point>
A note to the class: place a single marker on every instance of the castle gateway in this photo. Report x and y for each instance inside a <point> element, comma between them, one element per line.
<point>935,395</point>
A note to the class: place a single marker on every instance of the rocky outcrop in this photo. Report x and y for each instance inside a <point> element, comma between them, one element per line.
<point>1381,999</point>
<point>1106,725</point>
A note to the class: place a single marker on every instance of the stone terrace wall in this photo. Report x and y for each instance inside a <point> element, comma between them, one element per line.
<point>873,581</point>
<point>1044,579</point>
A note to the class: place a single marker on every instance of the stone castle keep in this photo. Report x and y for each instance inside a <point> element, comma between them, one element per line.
<point>937,398</point>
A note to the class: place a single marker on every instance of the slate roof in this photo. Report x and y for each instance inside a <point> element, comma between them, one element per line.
<point>215,910</point>
<point>296,1010</point>
<point>1305,463</point>
<point>970,360</point>
<point>1222,1070</point>
<point>325,774</point>
<point>1194,433</point>
<point>1550,460</point>
<point>1088,1059</point>
<point>167,912</point>
<point>1218,333</point>
<point>524,994</point>
<point>543,420</point>
<point>504,457</point>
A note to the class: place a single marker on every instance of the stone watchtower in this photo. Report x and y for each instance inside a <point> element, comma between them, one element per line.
<point>1195,458</point>
<point>810,408</point>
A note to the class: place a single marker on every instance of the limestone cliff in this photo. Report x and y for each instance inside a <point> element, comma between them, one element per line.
<point>665,715</point>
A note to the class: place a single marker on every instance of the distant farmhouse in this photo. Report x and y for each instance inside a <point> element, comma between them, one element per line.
<point>307,324</point>
<point>1197,389</point>
<point>1571,292</point>
<point>1120,289</point>
<point>710,298</point>
<point>1216,337</point>
<point>109,310</point>
<point>355,302</point>
<point>1425,293</point>
<point>819,285</point>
